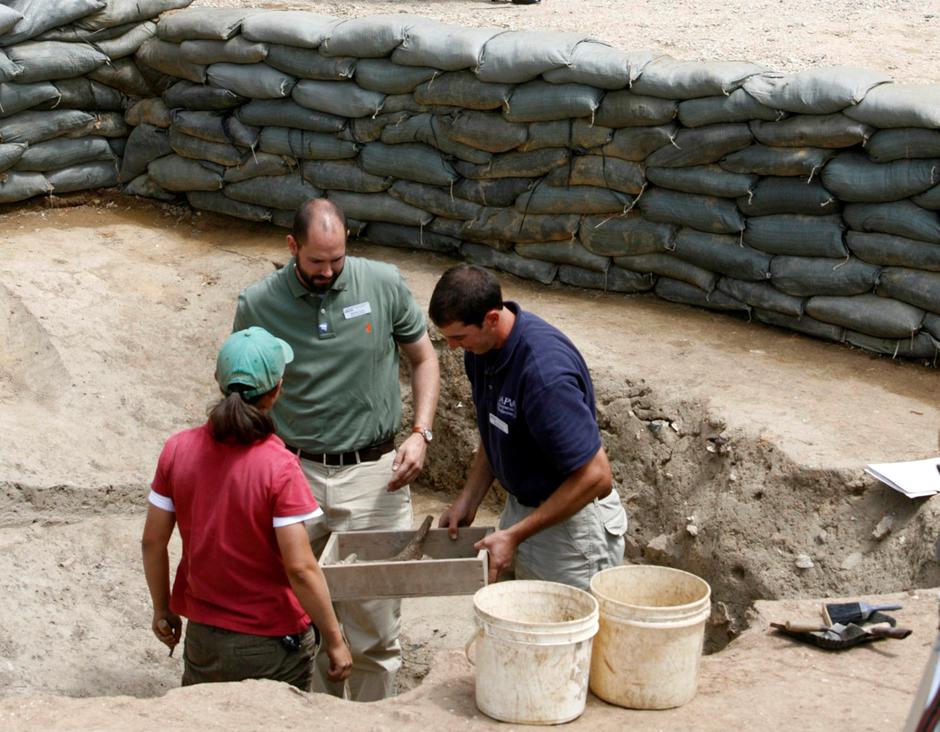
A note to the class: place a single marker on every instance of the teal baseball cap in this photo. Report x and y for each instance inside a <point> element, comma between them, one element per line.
<point>253,358</point>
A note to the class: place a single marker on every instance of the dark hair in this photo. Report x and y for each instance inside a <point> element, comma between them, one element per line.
<point>236,419</point>
<point>307,212</point>
<point>465,294</point>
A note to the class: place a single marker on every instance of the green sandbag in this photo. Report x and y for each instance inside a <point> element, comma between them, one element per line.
<point>410,161</point>
<point>626,235</point>
<point>666,265</point>
<point>807,276</point>
<point>514,57</point>
<point>722,254</point>
<point>166,57</point>
<point>777,195</point>
<point>236,50</point>
<point>600,171</point>
<point>255,81</point>
<point>215,127</point>
<point>441,46</point>
<point>498,192</point>
<point>569,252</point>
<point>10,153</point>
<point>344,175</point>
<point>372,37</point>
<point>739,106</point>
<point>290,27</point>
<point>104,124</point>
<point>626,109</point>
<point>343,98</point>
<point>921,289</point>
<point>287,113</point>
<point>33,127</point>
<point>672,79</point>
<point>762,295</point>
<point>38,17</point>
<point>20,97</point>
<point>901,218</point>
<point>872,315</point>
<point>430,129</point>
<point>174,173</point>
<point>574,134</point>
<point>801,324</point>
<point>921,346</point>
<point>598,64</point>
<point>273,191</point>
<point>828,131</point>
<point>20,186</point>
<point>143,185</point>
<point>84,176</point>
<point>516,164</point>
<point>210,24</point>
<point>637,143</point>
<point>544,199</point>
<point>257,164</point>
<point>379,207</point>
<point>688,294</point>
<point>899,105</point>
<point>121,76</point>
<point>709,180</point>
<point>508,225</point>
<point>8,18</point>
<point>782,161</point>
<point>903,144</point>
<point>64,152</point>
<point>853,177</point>
<point>530,269</point>
<point>929,199</point>
<point>487,131</point>
<point>538,101</point>
<point>217,202</point>
<point>438,201</point>
<point>47,60</point>
<point>192,96</point>
<point>462,89</point>
<point>148,111</point>
<point>119,12</point>
<point>192,147</point>
<point>411,237</point>
<point>894,251</point>
<point>932,325</point>
<point>306,145</point>
<point>127,43</point>
<point>805,236</point>
<point>705,213</point>
<point>305,63</point>
<point>701,146</point>
<point>382,75</point>
<point>818,91</point>
<point>615,279</point>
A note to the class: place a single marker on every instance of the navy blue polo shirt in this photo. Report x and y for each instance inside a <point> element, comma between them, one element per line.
<point>535,408</point>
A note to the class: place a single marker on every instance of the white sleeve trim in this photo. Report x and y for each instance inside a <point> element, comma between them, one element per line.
<point>280,521</point>
<point>161,501</point>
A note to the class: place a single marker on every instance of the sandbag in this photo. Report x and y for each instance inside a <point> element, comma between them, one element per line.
<point>805,236</point>
<point>575,134</point>
<point>932,325</point>
<point>273,191</point>
<point>803,324</point>
<point>687,294</point>
<point>8,69</point>
<point>441,46</point>
<point>929,199</point>
<point>209,24</point>
<point>198,149</point>
<point>20,97</point>
<point>514,57</point>
<point>666,265</point>
<point>148,111</point>
<point>853,177</point>
<point>544,199</point>
<point>626,235</point>
<point>487,131</point>
<point>10,153</point>
<point>410,161</point>
<point>701,146</point>
<point>287,113</point>
<point>305,63</point>
<point>903,144</point>
<point>166,57</point>
<point>635,144</point>
<point>901,218</point>
<point>122,76</point>
<point>821,90</point>
<point>508,225</point>
<point>438,201</point>
<point>777,195</point>
<point>627,109</point>
<point>38,16</point>
<point>739,106</point>
<point>290,28</point>
<point>105,124</point>
<point>379,207</point>
<point>899,105</point>
<point>119,12</point>
<point>671,79</point>
<point>498,192</point>
<point>215,127</point>
<point>174,173</point>
<point>259,163</point>
<point>236,50</point>
<point>63,152</point>
<point>8,18</point>
<point>876,316</point>
<point>894,251</point>
<point>381,75</point>
<point>710,180</point>
<point>761,295</point>
<point>601,172</point>
<point>46,60</point>
<point>192,96</point>
<point>615,279</point>
<point>569,252</point>
<point>516,164</point>
<point>117,145</point>
<point>538,101</point>
<point>343,98</point>
<point>33,127</point>
<point>220,203</point>
<point>411,237</point>
<point>829,131</point>
<point>807,276</point>
<point>127,43</point>
<point>85,94</point>
<point>921,289</point>
<point>598,64</point>
<point>764,160</point>
<point>344,175</point>
<point>303,144</point>
<point>255,81</point>
<point>722,254</point>
<point>20,186</point>
<point>143,185</point>
<point>372,37</point>
<point>81,177</point>
<point>921,346</point>
<point>705,213</point>
<point>530,269</point>
<point>430,129</point>
<point>462,89</point>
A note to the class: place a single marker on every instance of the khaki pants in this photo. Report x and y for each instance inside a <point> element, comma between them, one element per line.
<point>574,550</point>
<point>354,498</point>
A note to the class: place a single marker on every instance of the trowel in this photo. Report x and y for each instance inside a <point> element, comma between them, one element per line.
<point>837,637</point>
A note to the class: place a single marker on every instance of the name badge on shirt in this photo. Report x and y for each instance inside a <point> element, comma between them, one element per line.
<point>354,311</point>
<point>499,424</point>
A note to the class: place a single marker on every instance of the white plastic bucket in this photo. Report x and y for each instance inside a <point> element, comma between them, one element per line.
<point>652,628</point>
<point>532,651</point>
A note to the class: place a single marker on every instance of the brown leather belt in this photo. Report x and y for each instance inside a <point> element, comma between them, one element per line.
<point>353,457</point>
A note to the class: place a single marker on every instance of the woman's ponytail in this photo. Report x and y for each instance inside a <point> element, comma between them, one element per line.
<point>235,419</point>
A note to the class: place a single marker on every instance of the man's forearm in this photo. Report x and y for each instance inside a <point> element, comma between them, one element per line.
<point>425,387</point>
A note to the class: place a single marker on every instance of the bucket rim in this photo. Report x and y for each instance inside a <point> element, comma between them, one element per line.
<point>706,598</point>
<point>591,616</point>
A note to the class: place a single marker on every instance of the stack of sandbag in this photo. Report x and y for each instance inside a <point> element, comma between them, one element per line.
<point>66,75</point>
<point>804,200</point>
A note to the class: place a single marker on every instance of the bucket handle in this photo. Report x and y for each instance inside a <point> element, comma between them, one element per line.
<point>469,644</point>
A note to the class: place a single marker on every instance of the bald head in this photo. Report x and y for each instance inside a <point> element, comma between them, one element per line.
<point>318,217</point>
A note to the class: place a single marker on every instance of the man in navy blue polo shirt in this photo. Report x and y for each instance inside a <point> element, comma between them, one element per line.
<point>538,436</point>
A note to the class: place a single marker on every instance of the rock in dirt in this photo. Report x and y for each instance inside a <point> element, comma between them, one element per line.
<point>883,528</point>
<point>804,561</point>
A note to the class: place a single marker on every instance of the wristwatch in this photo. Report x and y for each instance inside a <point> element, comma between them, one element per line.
<point>424,432</point>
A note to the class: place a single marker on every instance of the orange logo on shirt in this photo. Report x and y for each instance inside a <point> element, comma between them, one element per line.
<point>368,327</point>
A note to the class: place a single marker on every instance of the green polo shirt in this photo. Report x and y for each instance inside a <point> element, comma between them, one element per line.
<point>341,392</point>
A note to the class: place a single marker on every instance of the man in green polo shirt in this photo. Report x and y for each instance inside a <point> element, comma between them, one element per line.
<point>346,319</point>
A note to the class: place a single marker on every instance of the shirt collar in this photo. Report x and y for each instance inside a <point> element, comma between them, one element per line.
<point>297,288</point>
<point>500,357</point>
